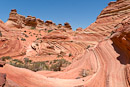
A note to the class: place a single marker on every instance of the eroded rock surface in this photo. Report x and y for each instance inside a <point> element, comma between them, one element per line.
<point>2,79</point>
<point>99,55</point>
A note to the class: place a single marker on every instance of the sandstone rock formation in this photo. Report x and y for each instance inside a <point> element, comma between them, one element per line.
<point>2,63</point>
<point>67,25</point>
<point>30,21</point>
<point>79,29</point>
<point>15,20</point>
<point>111,17</point>
<point>2,79</point>
<point>99,55</point>
<point>18,21</point>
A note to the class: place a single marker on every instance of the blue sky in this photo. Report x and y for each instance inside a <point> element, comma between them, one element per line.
<point>79,13</point>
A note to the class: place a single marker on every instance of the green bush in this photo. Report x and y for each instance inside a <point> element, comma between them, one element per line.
<point>5,58</point>
<point>112,33</point>
<point>33,28</point>
<point>37,66</point>
<point>26,60</point>
<point>70,54</point>
<point>38,38</point>
<point>26,35</point>
<point>50,31</point>
<point>17,63</point>
<point>59,55</point>
<point>88,47</point>
<point>23,39</point>
<point>56,65</point>
<point>0,34</point>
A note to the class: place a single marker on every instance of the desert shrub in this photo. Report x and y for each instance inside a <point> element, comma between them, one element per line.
<point>112,33</point>
<point>33,28</point>
<point>17,60</point>
<point>88,47</point>
<point>26,60</point>
<point>49,53</point>
<point>54,61</point>
<point>38,38</point>
<point>26,35</point>
<point>57,64</point>
<point>56,67</point>
<point>70,54</point>
<point>59,55</point>
<point>23,39</point>
<point>50,31</point>
<point>62,53</point>
<point>5,58</point>
<point>0,34</point>
<point>28,64</point>
<point>37,66</point>
<point>17,63</point>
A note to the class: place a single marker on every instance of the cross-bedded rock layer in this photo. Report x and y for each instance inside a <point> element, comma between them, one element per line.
<point>99,55</point>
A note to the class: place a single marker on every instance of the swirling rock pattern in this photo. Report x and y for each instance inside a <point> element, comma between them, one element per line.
<point>100,54</point>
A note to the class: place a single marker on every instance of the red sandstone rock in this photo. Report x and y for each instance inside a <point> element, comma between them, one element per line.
<point>79,29</point>
<point>2,63</point>
<point>105,62</point>
<point>40,22</point>
<point>2,79</point>
<point>55,37</point>
<point>67,25</point>
<point>128,73</point>
<point>15,20</point>
<point>110,17</point>
<point>30,21</point>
